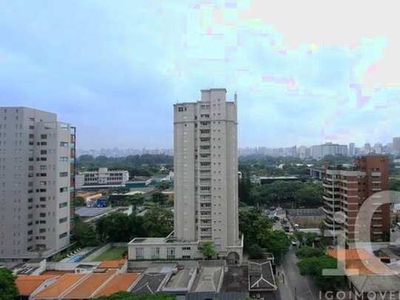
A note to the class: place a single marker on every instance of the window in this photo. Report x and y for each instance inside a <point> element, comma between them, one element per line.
<point>139,253</point>
<point>63,235</point>
<point>186,248</point>
<point>64,204</point>
<point>63,144</point>
<point>42,199</point>
<point>180,108</point>
<point>63,220</point>
<point>43,152</point>
<point>185,256</point>
<point>43,167</point>
<point>63,189</point>
<point>63,174</point>
<point>155,253</point>
<point>170,253</point>
<point>42,215</point>
<point>43,136</point>
<point>42,230</point>
<point>64,159</point>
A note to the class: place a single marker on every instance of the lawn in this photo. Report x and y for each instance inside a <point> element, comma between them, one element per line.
<point>111,254</point>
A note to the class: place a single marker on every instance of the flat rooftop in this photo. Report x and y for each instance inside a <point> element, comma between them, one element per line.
<point>147,241</point>
<point>181,279</point>
<point>86,212</point>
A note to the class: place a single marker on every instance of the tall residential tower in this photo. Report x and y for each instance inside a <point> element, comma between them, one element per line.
<point>36,182</point>
<point>206,170</point>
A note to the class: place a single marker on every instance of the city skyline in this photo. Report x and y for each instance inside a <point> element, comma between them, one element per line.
<point>297,83</point>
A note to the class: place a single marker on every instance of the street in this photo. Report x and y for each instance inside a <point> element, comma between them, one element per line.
<point>293,286</point>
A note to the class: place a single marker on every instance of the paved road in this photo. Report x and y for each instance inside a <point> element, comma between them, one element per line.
<point>295,286</point>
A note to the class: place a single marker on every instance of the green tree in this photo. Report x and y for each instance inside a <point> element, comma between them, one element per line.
<point>255,252</point>
<point>79,201</point>
<point>158,222</point>
<point>253,224</point>
<point>85,234</point>
<point>306,251</point>
<point>135,200</point>
<point>314,266</point>
<point>8,289</point>
<point>114,227</point>
<point>208,250</point>
<point>158,197</point>
<point>277,242</point>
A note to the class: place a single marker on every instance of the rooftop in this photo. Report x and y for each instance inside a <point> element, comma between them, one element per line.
<point>91,211</point>
<point>376,283</point>
<point>26,285</point>
<point>236,279</point>
<point>261,277</point>
<point>149,283</point>
<point>360,262</point>
<point>209,279</point>
<point>112,264</point>
<point>147,241</point>
<point>86,288</point>
<point>121,282</point>
<point>60,286</point>
<point>181,279</point>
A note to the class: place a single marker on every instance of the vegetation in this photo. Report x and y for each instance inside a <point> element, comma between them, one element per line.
<point>255,252</point>
<point>119,227</point>
<point>314,266</point>
<point>288,194</point>
<point>158,197</point>
<point>305,238</point>
<point>85,234</point>
<point>8,289</point>
<point>257,229</point>
<point>115,253</point>
<point>208,250</point>
<point>79,201</point>
<point>306,251</point>
<point>136,165</point>
<point>130,296</point>
<point>135,200</point>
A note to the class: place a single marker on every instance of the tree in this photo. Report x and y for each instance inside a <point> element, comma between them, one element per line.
<point>306,251</point>
<point>130,296</point>
<point>135,200</point>
<point>208,250</point>
<point>314,266</point>
<point>85,234</point>
<point>277,242</point>
<point>253,224</point>
<point>159,198</point>
<point>8,289</point>
<point>158,222</point>
<point>114,228</point>
<point>255,252</point>
<point>79,201</point>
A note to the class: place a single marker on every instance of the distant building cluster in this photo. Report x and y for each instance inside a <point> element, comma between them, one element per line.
<point>320,151</point>
<point>116,152</point>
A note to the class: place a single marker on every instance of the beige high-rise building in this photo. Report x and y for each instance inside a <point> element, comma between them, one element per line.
<point>206,171</point>
<point>36,182</point>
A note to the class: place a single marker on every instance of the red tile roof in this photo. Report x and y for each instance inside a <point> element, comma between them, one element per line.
<point>28,284</point>
<point>121,282</point>
<point>112,264</point>
<point>87,287</point>
<point>58,288</point>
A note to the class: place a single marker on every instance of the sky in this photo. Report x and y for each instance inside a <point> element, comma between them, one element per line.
<point>305,72</point>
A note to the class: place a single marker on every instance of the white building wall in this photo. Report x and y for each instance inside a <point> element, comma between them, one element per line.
<point>206,170</point>
<point>28,192</point>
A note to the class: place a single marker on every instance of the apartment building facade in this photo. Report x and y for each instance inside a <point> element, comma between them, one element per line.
<point>102,177</point>
<point>37,158</point>
<point>346,189</point>
<point>205,183</point>
<point>206,171</point>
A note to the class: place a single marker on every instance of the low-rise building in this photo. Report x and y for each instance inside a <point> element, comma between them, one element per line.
<point>101,178</point>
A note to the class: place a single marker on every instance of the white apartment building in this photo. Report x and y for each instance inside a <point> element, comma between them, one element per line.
<point>36,182</point>
<point>205,177</point>
<point>102,177</point>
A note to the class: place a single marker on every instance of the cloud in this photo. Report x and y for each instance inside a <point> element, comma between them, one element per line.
<point>115,70</point>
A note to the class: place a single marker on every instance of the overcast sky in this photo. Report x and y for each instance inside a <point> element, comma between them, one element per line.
<point>305,71</point>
